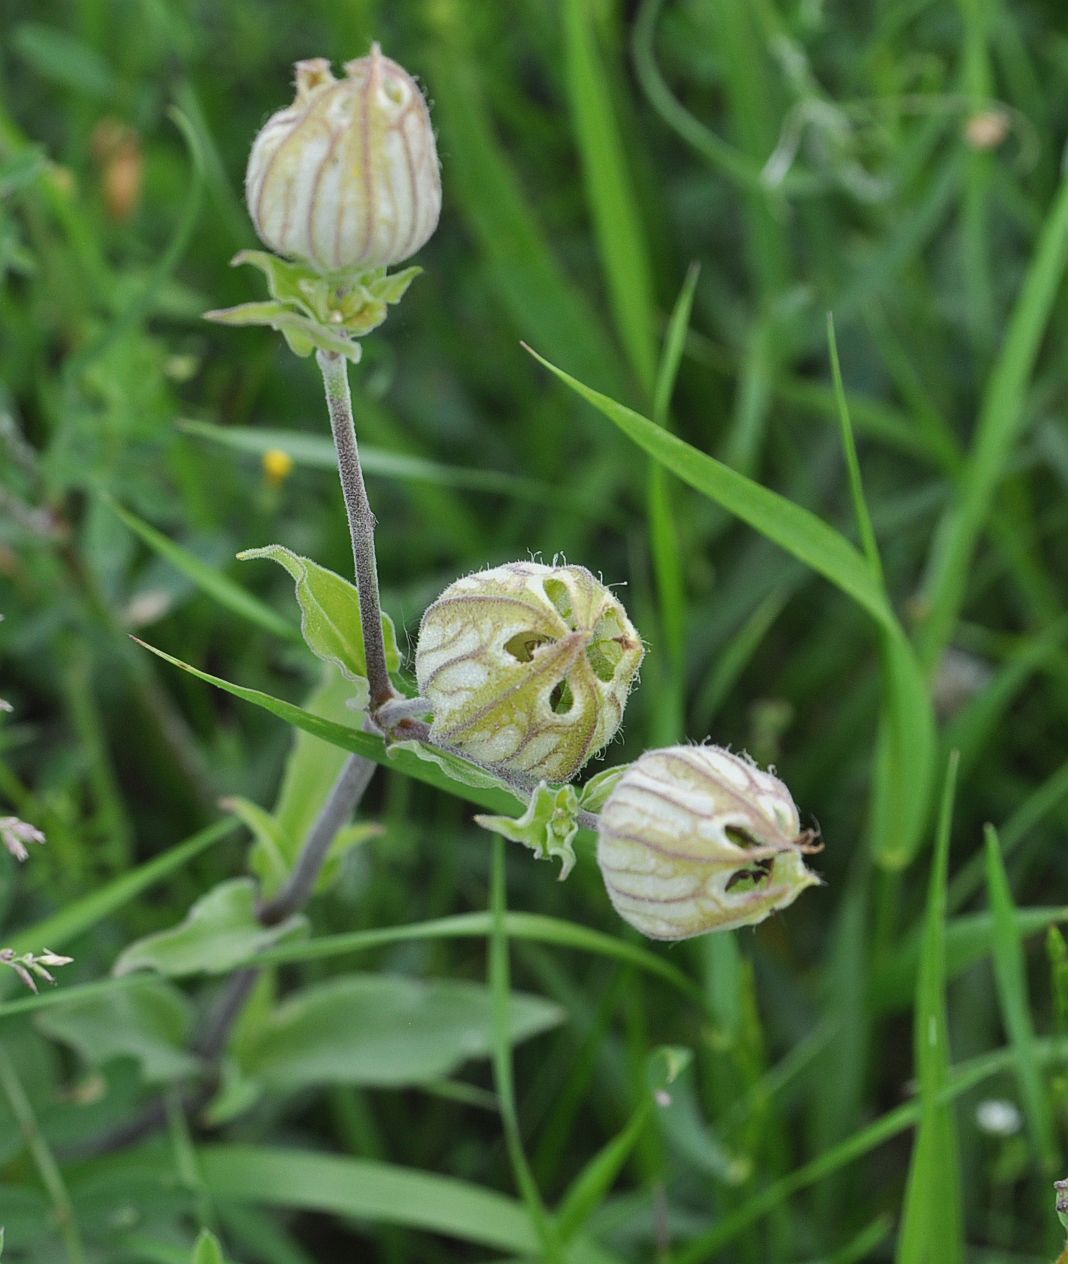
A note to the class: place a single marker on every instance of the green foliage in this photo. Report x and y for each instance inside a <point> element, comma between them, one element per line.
<point>843,555</point>
<point>330,613</point>
<point>219,933</point>
<point>384,1031</point>
<point>150,1024</point>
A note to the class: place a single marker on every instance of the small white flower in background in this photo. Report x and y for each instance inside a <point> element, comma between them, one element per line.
<point>347,176</point>
<point>527,667</point>
<point>16,834</point>
<point>28,964</point>
<point>694,839</point>
<point>998,1117</point>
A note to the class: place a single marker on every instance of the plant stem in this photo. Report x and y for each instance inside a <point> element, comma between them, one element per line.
<point>22,1109</point>
<point>353,780</point>
<point>361,523</point>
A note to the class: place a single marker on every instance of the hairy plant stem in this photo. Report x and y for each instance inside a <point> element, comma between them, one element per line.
<point>361,523</point>
<point>46,1164</point>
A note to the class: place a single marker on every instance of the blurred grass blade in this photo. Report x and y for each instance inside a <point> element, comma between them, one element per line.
<point>317,452</point>
<point>383,1193</point>
<point>932,1228</point>
<point>356,741</point>
<point>1010,972</point>
<point>849,446</point>
<point>527,926</point>
<point>1002,416</point>
<point>208,579</point>
<point>499,983</point>
<point>793,528</point>
<point>537,292</point>
<point>904,759</point>
<point>610,194</point>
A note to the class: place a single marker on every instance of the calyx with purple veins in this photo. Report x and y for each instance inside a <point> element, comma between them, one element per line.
<point>695,838</point>
<point>527,667</point>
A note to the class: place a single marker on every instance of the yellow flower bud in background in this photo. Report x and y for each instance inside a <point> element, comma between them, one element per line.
<point>277,466</point>
<point>694,839</point>
<point>527,667</point>
<point>347,177</point>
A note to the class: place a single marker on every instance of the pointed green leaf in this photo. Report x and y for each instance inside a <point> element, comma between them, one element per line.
<point>330,613</point>
<point>220,932</point>
<point>207,1249</point>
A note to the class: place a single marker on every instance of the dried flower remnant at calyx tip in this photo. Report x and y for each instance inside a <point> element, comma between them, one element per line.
<point>694,839</point>
<point>527,667</point>
<point>347,176</point>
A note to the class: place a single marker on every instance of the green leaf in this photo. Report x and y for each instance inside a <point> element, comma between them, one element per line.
<point>219,932</point>
<point>311,769</point>
<point>358,742</point>
<point>330,613</point>
<point>302,335</point>
<point>594,793</point>
<point>271,848</point>
<point>150,1024</point>
<point>379,1192</point>
<point>63,59</point>
<point>228,594</point>
<point>548,826</point>
<point>382,1030</point>
<point>207,1249</point>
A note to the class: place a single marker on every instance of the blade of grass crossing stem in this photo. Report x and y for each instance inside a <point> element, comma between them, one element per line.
<point>621,242</point>
<point>932,1230</point>
<point>355,741</point>
<point>1010,972</point>
<point>1001,419</point>
<point>906,746</point>
<point>535,927</point>
<point>663,533</point>
<point>208,579</point>
<point>499,982</point>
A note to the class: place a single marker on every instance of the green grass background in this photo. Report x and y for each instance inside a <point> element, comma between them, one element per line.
<point>901,598</point>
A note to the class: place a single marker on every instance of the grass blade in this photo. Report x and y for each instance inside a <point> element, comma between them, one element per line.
<point>932,1230</point>
<point>225,591</point>
<point>1001,419</point>
<point>1010,972</point>
<point>907,737</point>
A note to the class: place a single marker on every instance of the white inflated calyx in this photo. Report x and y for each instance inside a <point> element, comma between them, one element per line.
<point>694,839</point>
<point>347,176</point>
<point>527,667</point>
